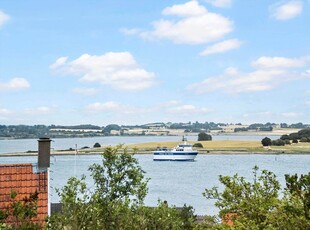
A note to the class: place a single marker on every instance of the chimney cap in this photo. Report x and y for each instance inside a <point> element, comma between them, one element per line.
<point>44,139</point>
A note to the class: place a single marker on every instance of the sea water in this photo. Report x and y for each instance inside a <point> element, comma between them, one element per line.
<point>178,183</point>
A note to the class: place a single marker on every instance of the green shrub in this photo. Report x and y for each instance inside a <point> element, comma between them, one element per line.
<point>198,145</point>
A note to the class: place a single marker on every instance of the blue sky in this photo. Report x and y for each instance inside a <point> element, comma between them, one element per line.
<point>134,62</point>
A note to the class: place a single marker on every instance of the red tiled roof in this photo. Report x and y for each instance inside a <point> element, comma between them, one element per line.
<point>22,179</point>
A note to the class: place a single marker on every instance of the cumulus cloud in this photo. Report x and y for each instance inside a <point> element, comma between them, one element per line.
<point>190,23</point>
<point>220,3</point>
<point>221,47</point>
<point>269,72</point>
<point>3,18</point>
<point>279,62</point>
<point>118,70</point>
<point>14,84</point>
<point>103,107</point>
<point>286,10</point>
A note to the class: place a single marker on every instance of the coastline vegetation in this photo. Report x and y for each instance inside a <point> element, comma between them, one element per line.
<point>116,201</point>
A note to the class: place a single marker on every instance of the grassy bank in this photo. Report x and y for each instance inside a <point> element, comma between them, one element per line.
<point>209,147</point>
<point>221,146</point>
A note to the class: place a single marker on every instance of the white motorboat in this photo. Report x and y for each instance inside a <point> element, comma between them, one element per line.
<point>183,152</point>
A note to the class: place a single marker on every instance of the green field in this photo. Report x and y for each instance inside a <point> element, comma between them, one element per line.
<point>219,146</point>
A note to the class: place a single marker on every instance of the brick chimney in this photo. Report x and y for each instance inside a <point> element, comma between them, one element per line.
<point>44,153</point>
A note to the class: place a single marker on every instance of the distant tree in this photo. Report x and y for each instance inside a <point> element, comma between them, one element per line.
<point>305,139</point>
<point>287,142</point>
<point>266,141</point>
<point>97,145</point>
<point>283,125</point>
<point>295,141</point>
<point>297,125</point>
<point>198,145</point>
<point>204,137</point>
<point>294,136</point>
<point>110,127</point>
<point>278,142</point>
<point>285,137</point>
<point>304,132</point>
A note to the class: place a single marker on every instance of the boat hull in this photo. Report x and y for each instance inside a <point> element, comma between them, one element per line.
<point>174,156</point>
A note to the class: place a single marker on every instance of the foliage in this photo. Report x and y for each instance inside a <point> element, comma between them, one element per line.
<point>257,205</point>
<point>97,145</point>
<point>278,142</point>
<point>266,141</point>
<point>305,139</point>
<point>302,135</point>
<point>20,212</point>
<point>116,201</point>
<point>251,202</point>
<point>285,137</point>
<point>110,127</point>
<point>198,145</point>
<point>204,137</point>
<point>299,188</point>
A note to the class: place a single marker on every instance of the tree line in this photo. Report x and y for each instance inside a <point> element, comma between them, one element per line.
<point>56,131</point>
<point>286,139</point>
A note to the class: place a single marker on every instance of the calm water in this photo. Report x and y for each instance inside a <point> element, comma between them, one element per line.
<point>178,182</point>
<point>23,145</point>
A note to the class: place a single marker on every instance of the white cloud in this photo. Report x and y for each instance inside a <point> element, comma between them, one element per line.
<point>103,107</point>
<point>192,24</point>
<point>14,84</point>
<point>38,111</point>
<point>278,62</point>
<point>221,47</point>
<point>189,9</point>
<point>266,76</point>
<point>118,70</point>
<point>85,91</point>
<point>220,3</point>
<point>291,114</point>
<point>3,18</point>
<point>286,10</point>
<point>59,63</point>
<point>188,109</point>
<point>4,112</point>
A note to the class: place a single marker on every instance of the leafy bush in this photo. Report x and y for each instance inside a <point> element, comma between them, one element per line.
<point>278,142</point>
<point>198,145</point>
<point>204,137</point>
<point>97,145</point>
<point>266,141</point>
<point>295,141</point>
